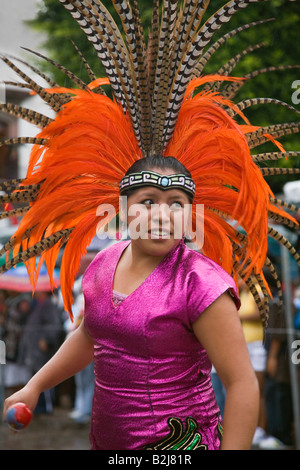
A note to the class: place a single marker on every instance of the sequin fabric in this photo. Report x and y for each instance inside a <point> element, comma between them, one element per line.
<point>149,366</point>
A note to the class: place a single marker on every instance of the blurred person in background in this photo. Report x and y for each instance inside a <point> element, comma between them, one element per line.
<point>278,395</point>
<point>15,310</point>
<point>253,331</point>
<point>40,339</point>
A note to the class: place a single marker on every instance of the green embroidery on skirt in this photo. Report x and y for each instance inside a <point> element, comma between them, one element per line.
<point>180,438</point>
<point>220,430</point>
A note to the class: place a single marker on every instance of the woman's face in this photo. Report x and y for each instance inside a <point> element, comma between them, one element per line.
<point>157,219</point>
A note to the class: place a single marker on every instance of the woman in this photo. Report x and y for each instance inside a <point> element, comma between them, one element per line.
<point>153,350</point>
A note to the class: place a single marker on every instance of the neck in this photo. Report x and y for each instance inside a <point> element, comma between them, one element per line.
<point>138,257</point>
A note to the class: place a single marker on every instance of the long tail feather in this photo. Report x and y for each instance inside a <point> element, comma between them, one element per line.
<point>279,171</point>
<point>286,205</point>
<point>269,156</point>
<point>23,140</point>
<point>212,49</point>
<point>281,239</point>
<point>85,63</point>
<point>36,250</point>
<point>261,135</point>
<point>231,90</point>
<point>48,98</point>
<point>69,74</point>
<point>242,105</point>
<point>14,213</point>
<point>27,114</point>
<point>37,71</point>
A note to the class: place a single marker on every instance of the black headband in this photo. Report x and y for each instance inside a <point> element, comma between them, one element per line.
<point>150,178</point>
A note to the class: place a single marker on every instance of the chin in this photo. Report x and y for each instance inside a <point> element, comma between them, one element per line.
<point>159,247</point>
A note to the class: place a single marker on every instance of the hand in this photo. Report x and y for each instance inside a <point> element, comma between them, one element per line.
<point>26,395</point>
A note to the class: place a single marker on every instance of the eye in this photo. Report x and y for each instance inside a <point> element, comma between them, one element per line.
<point>176,205</point>
<point>147,202</point>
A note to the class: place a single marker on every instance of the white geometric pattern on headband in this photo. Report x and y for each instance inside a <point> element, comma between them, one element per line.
<point>150,178</point>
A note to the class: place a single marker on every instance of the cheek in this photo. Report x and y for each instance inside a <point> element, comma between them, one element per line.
<point>179,223</point>
<point>139,222</point>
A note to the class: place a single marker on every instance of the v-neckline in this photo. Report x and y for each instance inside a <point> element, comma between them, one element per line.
<point>142,283</point>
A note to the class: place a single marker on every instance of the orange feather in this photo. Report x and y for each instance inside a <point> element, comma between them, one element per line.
<point>214,148</point>
<point>90,146</point>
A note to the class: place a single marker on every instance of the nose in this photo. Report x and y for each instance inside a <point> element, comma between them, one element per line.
<point>160,213</point>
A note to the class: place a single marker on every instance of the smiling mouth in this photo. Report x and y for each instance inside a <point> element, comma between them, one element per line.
<point>159,234</point>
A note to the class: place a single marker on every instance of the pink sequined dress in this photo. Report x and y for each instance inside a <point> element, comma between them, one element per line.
<point>152,376</point>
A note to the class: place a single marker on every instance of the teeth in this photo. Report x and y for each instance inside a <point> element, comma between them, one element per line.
<point>159,234</point>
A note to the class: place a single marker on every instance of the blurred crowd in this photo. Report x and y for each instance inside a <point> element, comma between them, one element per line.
<point>32,330</point>
<point>33,327</point>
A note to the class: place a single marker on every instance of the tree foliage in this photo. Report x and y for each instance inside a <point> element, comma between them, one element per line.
<point>281,47</point>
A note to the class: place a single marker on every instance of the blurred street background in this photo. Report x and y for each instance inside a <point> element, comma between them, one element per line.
<point>47,432</point>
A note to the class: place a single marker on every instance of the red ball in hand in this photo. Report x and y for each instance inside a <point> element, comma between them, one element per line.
<point>18,416</point>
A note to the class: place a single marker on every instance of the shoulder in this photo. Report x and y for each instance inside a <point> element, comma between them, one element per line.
<point>203,268</point>
<point>206,281</point>
<point>103,260</point>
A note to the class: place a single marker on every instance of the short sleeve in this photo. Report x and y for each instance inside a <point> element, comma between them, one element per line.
<point>205,285</point>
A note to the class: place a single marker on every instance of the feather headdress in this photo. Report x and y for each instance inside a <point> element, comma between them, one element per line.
<point>162,104</point>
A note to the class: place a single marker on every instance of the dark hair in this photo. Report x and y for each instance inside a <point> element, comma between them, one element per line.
<point>160,162</point>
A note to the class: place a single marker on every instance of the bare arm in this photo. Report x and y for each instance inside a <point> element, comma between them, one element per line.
<point>219,331</point>
<point>74,355</point>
